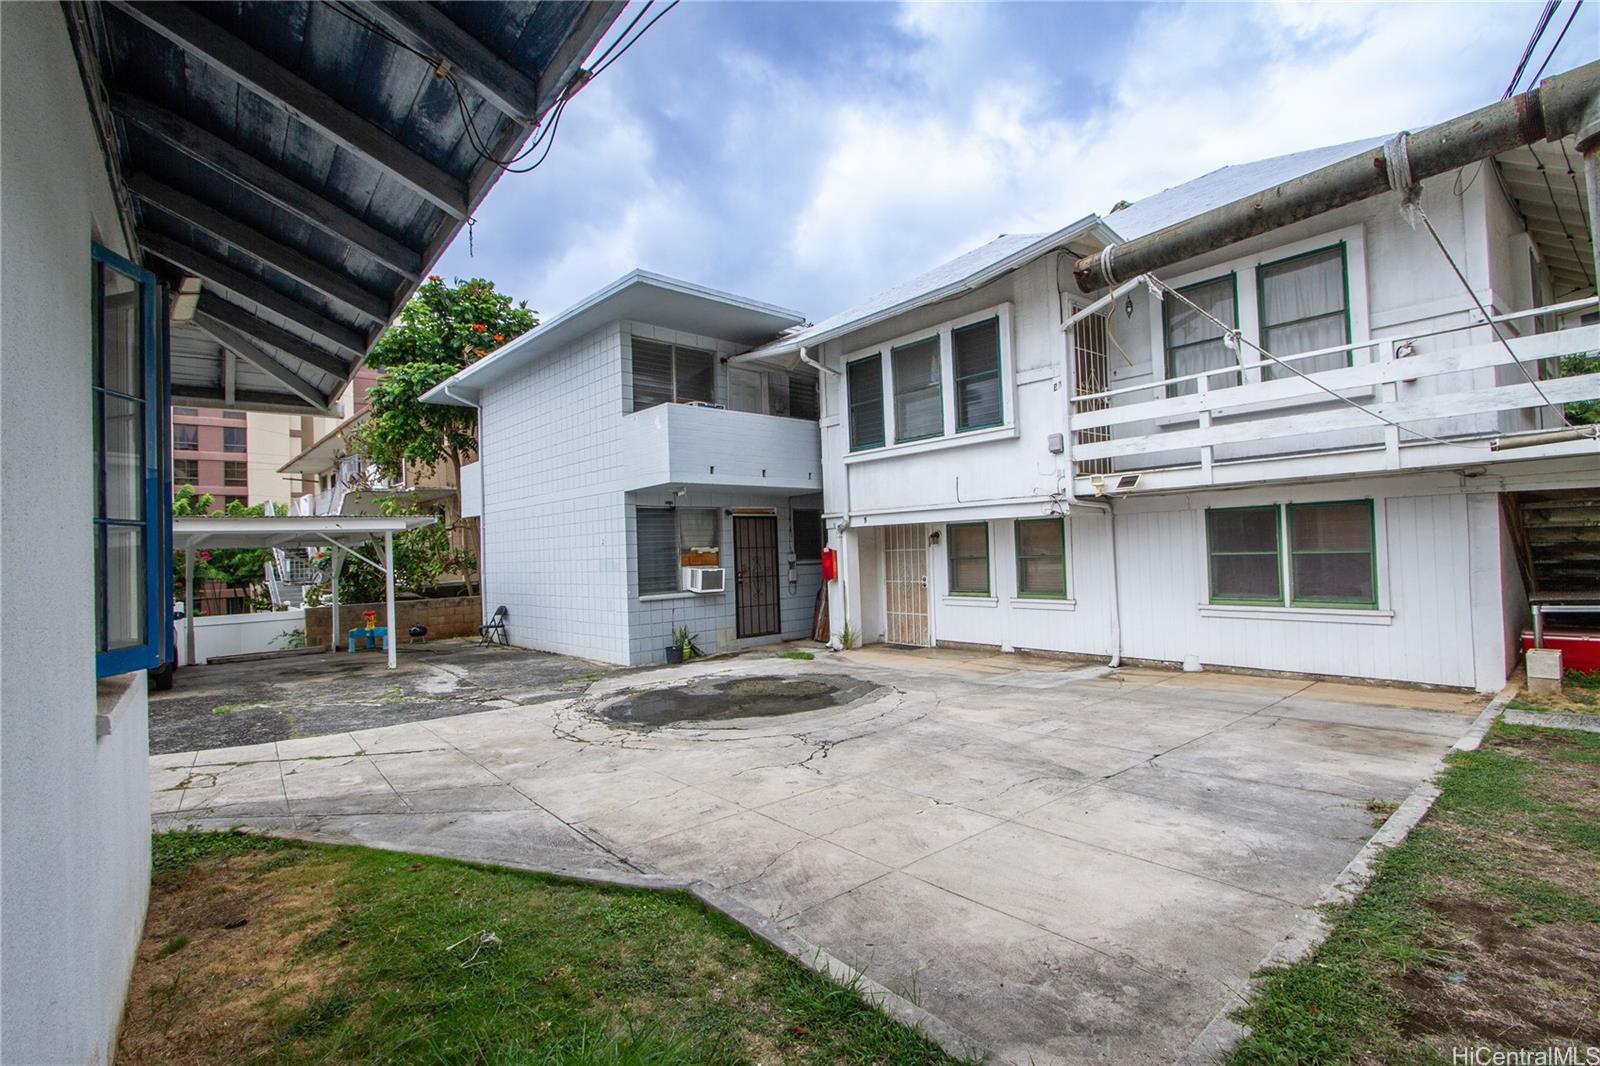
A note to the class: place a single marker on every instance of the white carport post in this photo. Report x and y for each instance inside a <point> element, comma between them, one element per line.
<point>333,590</point>
<point>388,592</point>
<point>188,602</point>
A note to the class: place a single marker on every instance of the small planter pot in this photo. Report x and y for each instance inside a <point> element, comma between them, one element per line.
<point>674,654</point>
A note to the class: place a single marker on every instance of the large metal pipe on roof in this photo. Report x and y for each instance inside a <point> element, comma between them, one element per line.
<point>1563,105</point>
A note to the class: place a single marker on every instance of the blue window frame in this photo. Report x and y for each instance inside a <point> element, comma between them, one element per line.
<point>130,514</point>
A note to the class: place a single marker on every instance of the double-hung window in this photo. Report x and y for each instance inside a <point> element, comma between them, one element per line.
<point>1331,558</point>
<point>233,439</point>
<point>1305,306</point>
<point>186,437</point>
<point>129,526</point>
<point>864,380</point>
<point>671,373</point>
<point>918,391</point>
<point>1193,341</point>
<point>1041,558</point>
<point>976,362</point>
<point>969,558</point>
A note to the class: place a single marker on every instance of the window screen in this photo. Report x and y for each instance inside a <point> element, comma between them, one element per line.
<point>865,384</point>
<point>803,398</point>
<point>1194,342</point>
<point>918,395</point>
<point>1242,543</point>
<point>1331,554</point>
<point>1303,309</point>
<point>969,558</point>
<point>977,373</point>
<point>1041,558</point>
<point>808,534</point>
<point>652,373</point>
<point>657,545</point>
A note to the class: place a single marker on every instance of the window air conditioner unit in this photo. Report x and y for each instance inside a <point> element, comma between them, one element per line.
<point>704,579</point>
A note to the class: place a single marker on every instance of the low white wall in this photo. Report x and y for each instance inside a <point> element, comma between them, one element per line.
<point>239,634</point>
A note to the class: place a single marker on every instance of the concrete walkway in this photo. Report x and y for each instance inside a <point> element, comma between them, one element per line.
<point>1070,865</point>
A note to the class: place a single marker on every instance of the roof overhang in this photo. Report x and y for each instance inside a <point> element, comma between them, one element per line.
<point>785,351</point>
<point>1545,183</point>
<point>295,168</point>
<point>325,452</point>
<point>289,531</point>
<point>639,296</point>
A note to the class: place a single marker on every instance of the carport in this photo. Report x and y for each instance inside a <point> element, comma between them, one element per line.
<point>345,535</point>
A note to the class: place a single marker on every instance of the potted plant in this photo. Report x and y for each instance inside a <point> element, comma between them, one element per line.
<point>684,644</point>
<point>674,653</point>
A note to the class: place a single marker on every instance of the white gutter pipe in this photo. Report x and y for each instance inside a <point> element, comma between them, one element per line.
<point>808,361</point>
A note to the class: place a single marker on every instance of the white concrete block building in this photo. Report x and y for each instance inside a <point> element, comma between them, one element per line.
<point>632,481</point>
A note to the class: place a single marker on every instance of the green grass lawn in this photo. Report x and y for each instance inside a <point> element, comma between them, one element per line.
<point>1482,928</point>
<point>1580,695</point>
<point>261,950</point>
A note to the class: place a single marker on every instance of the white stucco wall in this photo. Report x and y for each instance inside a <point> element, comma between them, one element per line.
<point>240,634</point>
<point>74,807</point>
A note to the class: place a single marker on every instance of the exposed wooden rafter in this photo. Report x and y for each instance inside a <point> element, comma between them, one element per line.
<point>431,31</point>
<point>209,268</point>
<point>265,333</point>
<point>245,170</point>
<point>261,247</point>
<point>213,396</point>
<point>248,350</point>
<point>201,37</point>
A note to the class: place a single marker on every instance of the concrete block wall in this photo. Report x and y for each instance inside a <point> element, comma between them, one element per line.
<point>454,616</point>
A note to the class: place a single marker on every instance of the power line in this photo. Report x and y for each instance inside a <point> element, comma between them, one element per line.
<point>1533,42</point>
<point>600,67</point>
<point>1540,72</point>
<point>601,58</point>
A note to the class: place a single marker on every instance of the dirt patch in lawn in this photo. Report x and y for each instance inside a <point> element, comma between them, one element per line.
<point>1580,694</point>
<point>711,700</point>
<point>221,957</point>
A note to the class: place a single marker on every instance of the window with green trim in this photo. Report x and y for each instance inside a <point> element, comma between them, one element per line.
<point>918,391</point>
<point>864,382</point>
<point>1332,560</point>
<point>969,558</point>
<point>1194,342</point>
<point>1243,546</point>
<point>1041,558</point>
<point>976,365</point>
<point>1305,305</point>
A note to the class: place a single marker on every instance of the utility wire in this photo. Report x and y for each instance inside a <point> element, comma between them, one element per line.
<point>601,58</point>
<point>1540,72</point>
<point>601,67</point>
<point>1533,42</point>
<point>1239,337</point>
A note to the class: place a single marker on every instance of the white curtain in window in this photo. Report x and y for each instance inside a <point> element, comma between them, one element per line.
<point>1194,342</point>
<point>1303,309</point>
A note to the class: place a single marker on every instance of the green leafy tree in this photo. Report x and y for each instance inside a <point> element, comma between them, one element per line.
<point>441,330</point>
<point>1582,412</point>
<point>240,568</point>
<point>422,557</point>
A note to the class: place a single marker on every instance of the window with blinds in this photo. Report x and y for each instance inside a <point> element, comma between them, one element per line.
<point>1041,558</point>
<point>803,402</point>
<point>969,558</point>
<point>657,548</point>
<point>918,391</point>
<point>668,373</point>
<point>864,380</point>
<point>977,374</point>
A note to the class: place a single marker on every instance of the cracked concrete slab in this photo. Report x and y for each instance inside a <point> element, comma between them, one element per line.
<point>1069,863</point>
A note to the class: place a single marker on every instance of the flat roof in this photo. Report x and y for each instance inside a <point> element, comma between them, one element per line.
<point>288,531</point>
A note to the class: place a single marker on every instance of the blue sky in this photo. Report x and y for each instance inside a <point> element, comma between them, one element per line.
<point>812,154</point>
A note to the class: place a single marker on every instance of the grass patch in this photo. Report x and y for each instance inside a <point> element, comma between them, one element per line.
<point>344,954</point>
<point>235,708</point>
<point>804,656</point>
<point>1580,695</point>
<point>1482,928</point>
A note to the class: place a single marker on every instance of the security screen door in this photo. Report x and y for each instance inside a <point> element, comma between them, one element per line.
<point>755,561</point>
<point>905,584</point>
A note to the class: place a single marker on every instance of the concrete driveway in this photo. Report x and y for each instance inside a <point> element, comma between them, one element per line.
<point>1069,865</point>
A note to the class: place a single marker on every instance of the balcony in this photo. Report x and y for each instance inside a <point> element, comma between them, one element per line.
<point>1446,398</point>
<point>682,444</point>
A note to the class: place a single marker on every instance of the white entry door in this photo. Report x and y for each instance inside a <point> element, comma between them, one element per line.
<point>905,580</point>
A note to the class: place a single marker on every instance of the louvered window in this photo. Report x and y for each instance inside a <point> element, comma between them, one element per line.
<point>918,393</point>
<point>977,374</point>
<point>866,402</point>
<point>657,533</point>
<point>667,373</point>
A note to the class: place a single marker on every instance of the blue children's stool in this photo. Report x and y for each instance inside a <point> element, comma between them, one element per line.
<point>375,638</point>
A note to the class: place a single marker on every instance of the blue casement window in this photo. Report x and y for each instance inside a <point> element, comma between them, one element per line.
<point>131,553</point>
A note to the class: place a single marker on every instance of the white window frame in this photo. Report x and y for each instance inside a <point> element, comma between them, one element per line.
<point>1248,311</point>
<point>951,437</point>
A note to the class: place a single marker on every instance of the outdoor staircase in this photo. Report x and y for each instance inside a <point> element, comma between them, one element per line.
<point>1558,543</point>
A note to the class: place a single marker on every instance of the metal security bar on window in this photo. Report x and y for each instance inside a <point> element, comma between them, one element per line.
<point>1091,374</point>
<point>1244,548</point>
<point>969,558</point>
<point>1195,343</point>
<point>864,380</point>
<point>1041,558</point>
<point>918,391</point>
<point>1305,307</point>
<point>976,355</point>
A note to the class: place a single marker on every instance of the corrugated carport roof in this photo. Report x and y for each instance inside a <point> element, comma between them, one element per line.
<point>304,161</point>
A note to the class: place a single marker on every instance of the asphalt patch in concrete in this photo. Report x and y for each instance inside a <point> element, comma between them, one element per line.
<point>712,700</point>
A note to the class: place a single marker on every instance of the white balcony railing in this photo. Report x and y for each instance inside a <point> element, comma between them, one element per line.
<point>682,444</point>
<point>1420,400</point>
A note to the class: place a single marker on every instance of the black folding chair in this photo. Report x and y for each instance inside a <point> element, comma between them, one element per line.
<point>494,631</point>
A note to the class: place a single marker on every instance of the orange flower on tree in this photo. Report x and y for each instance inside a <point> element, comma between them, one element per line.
<point>479,327</point>
<point>498,337</point>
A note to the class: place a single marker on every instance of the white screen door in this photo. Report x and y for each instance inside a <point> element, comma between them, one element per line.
<point>905,581</point>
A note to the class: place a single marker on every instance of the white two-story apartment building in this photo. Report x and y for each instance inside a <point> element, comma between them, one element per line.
<point>631,481</point>
<point>1011,462</point>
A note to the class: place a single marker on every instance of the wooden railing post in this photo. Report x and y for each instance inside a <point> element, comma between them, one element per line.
<point>1202,387</point>
<point>1389,393</point>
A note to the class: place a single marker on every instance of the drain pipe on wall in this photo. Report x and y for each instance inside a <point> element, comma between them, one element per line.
<point>834,642</point>
<point>1104,506</point>
<point>483,512</point>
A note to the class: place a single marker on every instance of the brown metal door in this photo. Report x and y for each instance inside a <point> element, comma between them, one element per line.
<point>755,586</point>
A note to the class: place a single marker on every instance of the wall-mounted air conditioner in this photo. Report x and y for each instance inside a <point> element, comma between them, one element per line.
<point>704,579</point>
